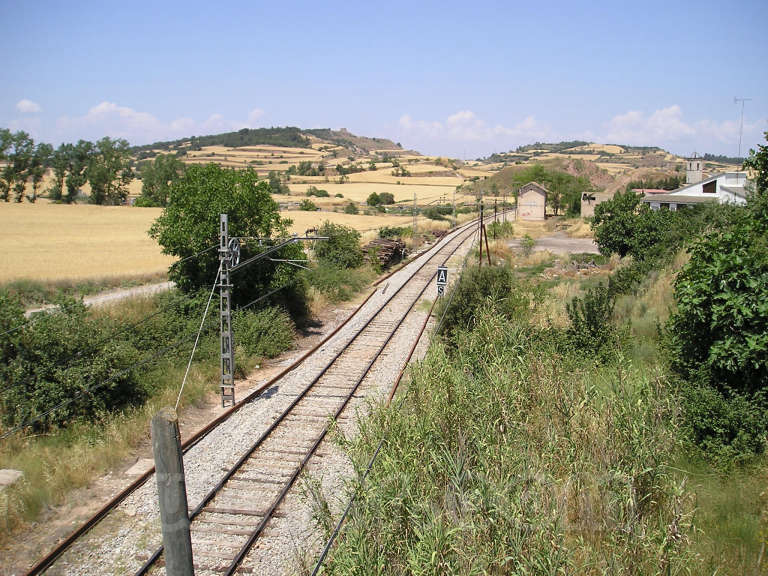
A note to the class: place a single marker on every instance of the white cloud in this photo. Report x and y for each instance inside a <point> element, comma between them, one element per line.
<point>465,129</point>
<point>667,127</point>
<point>27,106</point>
<point>116,121</point>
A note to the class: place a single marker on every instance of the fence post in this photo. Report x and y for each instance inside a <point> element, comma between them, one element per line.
<point>172,489</point>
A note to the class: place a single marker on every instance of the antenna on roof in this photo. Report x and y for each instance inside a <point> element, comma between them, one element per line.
<point>741,124</point>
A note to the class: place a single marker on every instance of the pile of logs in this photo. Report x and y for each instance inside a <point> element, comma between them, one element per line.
<point>385,250</point>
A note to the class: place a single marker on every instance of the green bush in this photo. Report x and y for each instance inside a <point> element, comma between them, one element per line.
<point>437,212</point>
<point>265,333</point>
<point>308,206</point>
<point>591,327</point>
<point>500,229</point>
<point>65,361</point>
<point>317,192</point>
<point>342,249</point>
<point>351,208</point>
<point>526,245</point>
<point>493,286</point>
<point>339,284</point>
<point>395,231</point>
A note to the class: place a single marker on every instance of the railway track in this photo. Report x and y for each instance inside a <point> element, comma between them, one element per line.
<point>234,514</point>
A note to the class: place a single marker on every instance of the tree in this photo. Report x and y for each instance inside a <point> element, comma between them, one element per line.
<point>38,165</point>
<point>77,165</point>
<point>157,177</point>
<point>110,171</point>
<point>758,161</point>
<point>373,199</point>
<point>60,160</point>
<point>614,223</point>
<point>17,149</point>
<point>342,249</point>
<point>190,223</point>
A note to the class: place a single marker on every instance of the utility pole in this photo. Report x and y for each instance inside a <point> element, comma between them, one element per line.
<point>172,492</point>
<point>495,209</point>
<point>480,263</point>
<point>454,207</point>
<point>225,314</point>
<point>414,213</point>
<point>741,124</point>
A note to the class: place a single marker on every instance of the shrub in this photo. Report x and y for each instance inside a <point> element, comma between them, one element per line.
<point>63,367</point>
<point>315,191</point>
<point>395,231</point>
<point>338,195</point>
<point>339,284</point>
<point>591,327</point>
<point>500,229</point>
<point>308,206</point>
<point>526,245</point>
<point>493,286</point>
<point>437,212</point>
<point>373,199</point>
<point>342,249</point>
<point>351,208</point>
<point>265,333</point>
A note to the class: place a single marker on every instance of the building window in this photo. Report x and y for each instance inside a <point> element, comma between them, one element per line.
<point>710,187</point>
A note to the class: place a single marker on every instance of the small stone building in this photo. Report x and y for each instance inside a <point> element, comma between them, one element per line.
<point>531,201</point>
<point>591,199</point>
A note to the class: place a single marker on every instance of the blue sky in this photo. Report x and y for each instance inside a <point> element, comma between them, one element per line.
<point>454,78</point>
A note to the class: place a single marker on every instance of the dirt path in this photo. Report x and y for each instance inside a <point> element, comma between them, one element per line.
<point>114,295</point>
<point>561,243</point>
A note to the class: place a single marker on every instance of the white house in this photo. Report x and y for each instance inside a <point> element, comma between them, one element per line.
<point>723,188</point>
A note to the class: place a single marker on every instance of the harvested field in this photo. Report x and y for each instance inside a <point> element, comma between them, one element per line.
<point>359,191</point>
<point>304,220</point>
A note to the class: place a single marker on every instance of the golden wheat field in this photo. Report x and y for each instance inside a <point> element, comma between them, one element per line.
<point>56,241</point>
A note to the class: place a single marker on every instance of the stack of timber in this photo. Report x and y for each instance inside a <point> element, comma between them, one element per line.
<point>385,250</point>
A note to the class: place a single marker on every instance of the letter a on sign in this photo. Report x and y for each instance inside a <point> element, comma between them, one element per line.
<point>442,276</point>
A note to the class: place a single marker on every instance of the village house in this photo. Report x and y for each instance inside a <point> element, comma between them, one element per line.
<point>531,202</point>
<point>723,188</point>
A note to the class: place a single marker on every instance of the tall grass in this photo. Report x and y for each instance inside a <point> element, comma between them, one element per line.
<point>509,456</point>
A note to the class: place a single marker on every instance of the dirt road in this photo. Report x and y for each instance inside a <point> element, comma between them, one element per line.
<point>115,295</point>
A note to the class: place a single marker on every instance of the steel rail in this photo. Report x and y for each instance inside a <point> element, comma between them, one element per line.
<point>279,420</point>
<point>49,559</point>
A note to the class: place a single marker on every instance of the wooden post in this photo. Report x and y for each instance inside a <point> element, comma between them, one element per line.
<point>172,489</point>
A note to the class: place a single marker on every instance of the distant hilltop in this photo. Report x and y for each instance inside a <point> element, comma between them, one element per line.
<point>288,136</point>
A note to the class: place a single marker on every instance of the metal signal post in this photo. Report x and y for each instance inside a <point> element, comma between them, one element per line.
<point>225,309</point>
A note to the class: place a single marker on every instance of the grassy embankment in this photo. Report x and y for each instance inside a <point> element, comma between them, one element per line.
<point>516,451</point>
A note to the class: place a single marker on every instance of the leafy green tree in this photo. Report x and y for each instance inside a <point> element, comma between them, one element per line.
<point>386,198</point>
<point>758,161</point>
<point>308,205</point>
<point>190,224</point>
<point>615,221</point>
<point>276,184</point>
<point>157,177</point>
<point>373,199</point>
<point>351,208</point>
<point>17,149</point>
<point>59,161</point>
<point>110,171</point>
<point>38,165</point>
<point>342,249</point>
<point>79,159</point>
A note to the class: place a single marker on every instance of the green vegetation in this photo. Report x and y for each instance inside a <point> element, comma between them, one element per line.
<point>342,249</point>
<point>319,193</point>
<point>190,224</point>
<point>527,244</point>
<point>497,229</point>
<point>157,176</point>
<point>663,183</point>
<point>351,208</point>
<point>265,333</point>
<point>395,231</point>
<point>288,136</point>
<point>380,199</point>
<point>308,205</point>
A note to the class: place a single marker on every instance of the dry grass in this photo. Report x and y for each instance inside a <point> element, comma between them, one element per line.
<point>55,241</point>
<point>359,191</point>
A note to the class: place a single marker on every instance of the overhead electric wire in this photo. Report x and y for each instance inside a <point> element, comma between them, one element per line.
<point>197,339</point>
